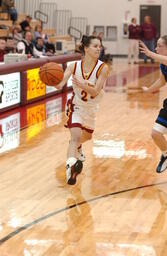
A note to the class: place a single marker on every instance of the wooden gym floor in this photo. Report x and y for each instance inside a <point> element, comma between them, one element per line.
<point>118,206</point>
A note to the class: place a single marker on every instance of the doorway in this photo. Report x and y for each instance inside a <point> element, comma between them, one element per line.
<point>154,11</point>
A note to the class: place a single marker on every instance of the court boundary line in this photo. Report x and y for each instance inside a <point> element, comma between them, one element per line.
<point>31,224</point>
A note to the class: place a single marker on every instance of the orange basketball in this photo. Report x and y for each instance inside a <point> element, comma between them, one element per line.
<point>51,73</point>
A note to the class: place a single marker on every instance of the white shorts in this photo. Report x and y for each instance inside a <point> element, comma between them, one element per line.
<point>160,128</point>
<point>80,116</point>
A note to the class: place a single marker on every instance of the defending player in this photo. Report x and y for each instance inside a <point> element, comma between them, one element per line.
<point>160,126</point>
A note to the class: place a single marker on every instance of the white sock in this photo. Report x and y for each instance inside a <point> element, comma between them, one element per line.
<point>71,161</point>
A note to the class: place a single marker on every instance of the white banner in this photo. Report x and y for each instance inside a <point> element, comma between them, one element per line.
<point>9,90</point>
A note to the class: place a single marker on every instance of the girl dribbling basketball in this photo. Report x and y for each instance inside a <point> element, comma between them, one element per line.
<point>89,76</point>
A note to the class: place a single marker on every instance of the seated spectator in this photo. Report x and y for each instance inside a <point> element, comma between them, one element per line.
<point>9,7</point>
<point>10,46</point>
<point>17,35</point>
<point>38,33</point>
<point>3,50</point>
<point>39,48</point>
<point>25,46</point>
<point>25,24</point>
<point>49,48</point>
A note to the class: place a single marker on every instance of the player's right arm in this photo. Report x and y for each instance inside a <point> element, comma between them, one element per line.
<point>68,72</point>
<point>160,58</point>
<point>156,85</point>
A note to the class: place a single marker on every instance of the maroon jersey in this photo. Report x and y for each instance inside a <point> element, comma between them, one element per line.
<point>134,31</point>
<point>148,31</point>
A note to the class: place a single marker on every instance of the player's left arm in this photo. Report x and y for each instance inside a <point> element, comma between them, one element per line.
<point>94,90</point>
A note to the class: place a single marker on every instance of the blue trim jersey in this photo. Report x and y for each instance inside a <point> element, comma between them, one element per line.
<point>164,70</point>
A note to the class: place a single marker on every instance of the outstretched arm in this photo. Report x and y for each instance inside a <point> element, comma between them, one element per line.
<point>94,89</point>
<point>160,58</point>
<point>156,85</point>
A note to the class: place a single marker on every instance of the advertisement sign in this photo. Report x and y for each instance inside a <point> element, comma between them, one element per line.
<point>9,132</point>
<point>35,87</point>
<point>9,90</point>
<point>35,120</point>
<point>54,112</point>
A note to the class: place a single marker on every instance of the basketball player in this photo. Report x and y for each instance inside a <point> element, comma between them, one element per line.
<point>89,76</point>
<point>160,126</point>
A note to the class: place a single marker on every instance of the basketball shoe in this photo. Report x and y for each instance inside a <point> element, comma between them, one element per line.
<point>162,166</point>
<point>73,168</point>
<point>81,155</point>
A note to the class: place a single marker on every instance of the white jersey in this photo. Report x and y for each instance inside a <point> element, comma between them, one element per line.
<point>82,97</point>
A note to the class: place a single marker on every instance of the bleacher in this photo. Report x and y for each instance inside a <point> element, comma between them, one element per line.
<point>55,34</point>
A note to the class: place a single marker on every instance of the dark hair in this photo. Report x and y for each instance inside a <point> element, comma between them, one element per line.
<point>86,41</point>
<point>38,37</point>
<point>3,38</point>
<point>25,32</point>
<point>29,17</point>
<point>164,38</point>
<point>107,58</point>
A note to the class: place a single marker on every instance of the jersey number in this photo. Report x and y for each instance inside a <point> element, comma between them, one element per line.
<point>84,95</point>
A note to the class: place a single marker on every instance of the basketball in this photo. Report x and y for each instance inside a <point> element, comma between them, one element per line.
<point>51,73</point>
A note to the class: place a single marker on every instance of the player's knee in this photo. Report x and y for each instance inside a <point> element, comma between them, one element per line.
<point>76,139</point>
<point>89,136</point>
